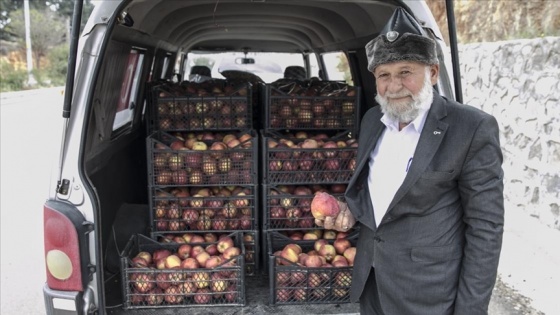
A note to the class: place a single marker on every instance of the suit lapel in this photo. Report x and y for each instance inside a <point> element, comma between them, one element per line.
<point>432,134</point>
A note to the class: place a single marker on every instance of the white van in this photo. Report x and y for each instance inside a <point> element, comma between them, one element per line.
<point>131,99</point>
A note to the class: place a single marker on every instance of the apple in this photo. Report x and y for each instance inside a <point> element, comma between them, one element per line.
<point>328,251</point>
<point>203,296</point>
<point>310,236</point>
<point>187,237</point>
<point>146,256</point>
<point>175,277</point>
<point>324,205</point>
<point>190,263</point>
<point>210,237</point>
<point>143,282</point>
<point>213,262</point>
<point>139,262</point>
<point>319,243</point>
<point>300,294</point>
<point>343,278</point>
<point>314,280</point>
<point>229,210</point>
<point>184,251</point>
<point>196,239</point>
<point>188,288</point>
<point>231,252</point>
<point>224,243</point>
<point>313,261</point>
<point>219,283</point>
<point>283,295</point>
<point>212,250</point>
<point>289,255</point>
<point>172,261</point>
<point>190,216</point>
<point>201,279</point>
<point>195,250</point>
<point>329,234</point>
<point>342,234</point>
<point>350,254</point>
<point>155,297</point>
<point>199,146</point>
<point>339,261</point>
<point>341,244</point>
<point>162,281</point>
<point>202,258</point>
<point>219,223</point>
<point>173,295</point>
<point>204,223</point>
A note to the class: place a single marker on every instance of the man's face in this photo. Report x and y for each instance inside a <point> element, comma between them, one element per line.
<point>402,87</point>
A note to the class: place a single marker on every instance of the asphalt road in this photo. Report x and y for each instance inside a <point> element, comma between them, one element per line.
<point>31,124</point>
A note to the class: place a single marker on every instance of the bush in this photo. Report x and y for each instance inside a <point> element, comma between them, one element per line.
<point>57,65</point>
<point>11,79</point>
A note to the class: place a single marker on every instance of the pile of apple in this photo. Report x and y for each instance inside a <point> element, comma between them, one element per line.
<point>204,209</point>
<point>289,206</point>
<point>327,105</point>
<point>206,105</point>
<point>311,158</point>
<point>210,237</point>
<point>206,274</point>
<point>205,158</point>
<point>325,271</point>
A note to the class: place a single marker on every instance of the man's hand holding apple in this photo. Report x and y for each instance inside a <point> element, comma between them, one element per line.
<point>331,213</point>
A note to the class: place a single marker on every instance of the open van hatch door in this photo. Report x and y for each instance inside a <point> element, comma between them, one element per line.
<point>62,186</point>
<point>454,50</point>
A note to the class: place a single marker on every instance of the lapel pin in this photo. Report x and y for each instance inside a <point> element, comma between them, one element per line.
<point>437,132</point>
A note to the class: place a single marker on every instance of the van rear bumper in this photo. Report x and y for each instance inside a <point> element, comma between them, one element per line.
<point>62,302</point>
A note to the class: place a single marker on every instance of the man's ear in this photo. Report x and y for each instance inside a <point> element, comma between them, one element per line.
<point>434,73</point>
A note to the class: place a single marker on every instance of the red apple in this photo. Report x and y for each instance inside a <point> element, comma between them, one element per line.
<point>184,251</point>
<point>225,243</point>
<point>231,252</point>
<point>190,263</point>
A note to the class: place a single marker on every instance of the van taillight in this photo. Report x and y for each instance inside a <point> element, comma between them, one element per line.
<point>64,237</point>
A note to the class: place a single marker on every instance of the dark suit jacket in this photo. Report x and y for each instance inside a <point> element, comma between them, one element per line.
<point>436,250</point>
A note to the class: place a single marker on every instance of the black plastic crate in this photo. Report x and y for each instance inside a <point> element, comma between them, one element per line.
<point>204,209</point>
<point>293,283</point>
<point>288,207</point>
<point>171,163</point>
<point>150,287</point>
<point>251,241</point>
<point>210,105</point>
<point>284,161</point>
<point>318,106</point>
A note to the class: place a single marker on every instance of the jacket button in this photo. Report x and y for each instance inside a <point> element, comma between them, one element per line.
<point>359,187</point>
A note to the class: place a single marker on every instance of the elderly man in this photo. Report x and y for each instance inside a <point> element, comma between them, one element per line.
<point>427,191</point>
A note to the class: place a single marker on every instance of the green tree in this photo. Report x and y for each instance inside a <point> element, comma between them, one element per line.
<point>64,8</point>
<point>58,64</point>
<point>43,37</point>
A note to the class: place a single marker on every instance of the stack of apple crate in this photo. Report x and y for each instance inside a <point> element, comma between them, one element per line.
<point>308,146</point>
<point>202,173</point>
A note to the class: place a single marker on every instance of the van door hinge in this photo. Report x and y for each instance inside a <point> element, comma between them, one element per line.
<point>71,191</point>
<point>92,269</point>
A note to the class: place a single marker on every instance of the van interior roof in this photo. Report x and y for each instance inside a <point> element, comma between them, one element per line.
<point>262,25</point>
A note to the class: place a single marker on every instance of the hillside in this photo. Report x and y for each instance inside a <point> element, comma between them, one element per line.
<point>496,20</point>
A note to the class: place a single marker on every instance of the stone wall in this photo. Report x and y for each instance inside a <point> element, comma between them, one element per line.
<point>518,82</point>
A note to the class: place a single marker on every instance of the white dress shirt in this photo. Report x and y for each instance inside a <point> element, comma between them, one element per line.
<point>391,159</point>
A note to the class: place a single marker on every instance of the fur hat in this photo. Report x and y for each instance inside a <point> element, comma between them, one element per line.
<point>402,39</point>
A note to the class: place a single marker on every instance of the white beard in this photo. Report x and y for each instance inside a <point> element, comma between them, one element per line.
<point>407,111</point>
